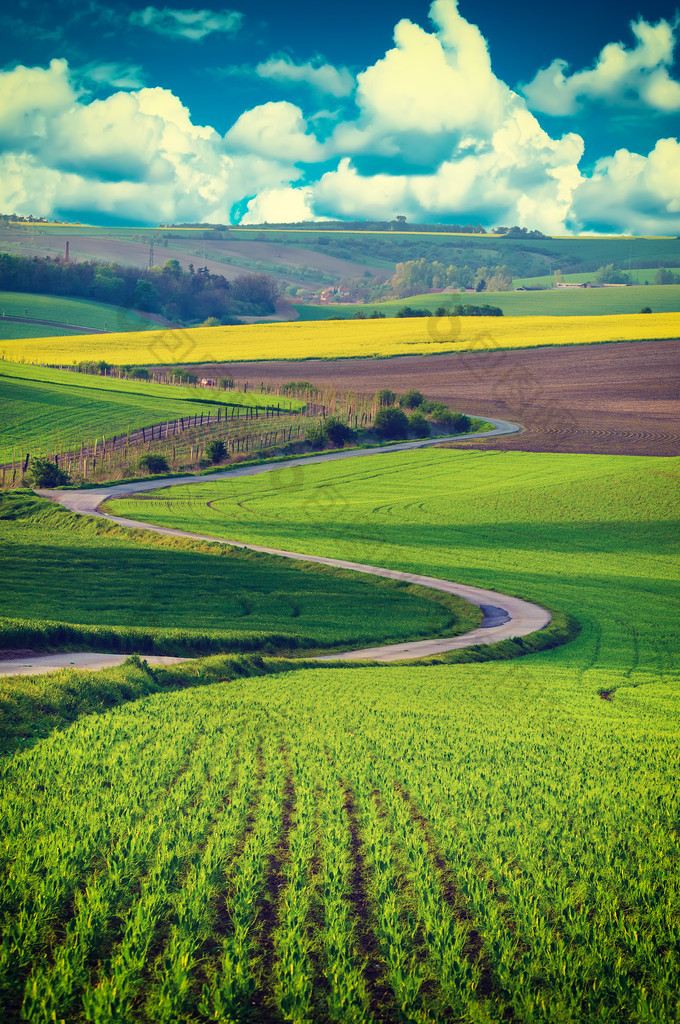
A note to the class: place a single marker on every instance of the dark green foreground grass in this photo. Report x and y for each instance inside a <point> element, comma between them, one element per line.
<point>82,583</point>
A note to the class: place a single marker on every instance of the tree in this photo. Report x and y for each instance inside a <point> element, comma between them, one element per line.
<point>256,293</point>
<point>386,397</point>
<point>646,309</point>
<point>44,473</point>
<point>609,274</point>
<point>145,297</point>
<point>391,423</point>
<point>418,425</point>
<point>217,451</point>
<point>153,464</point>
<point>411,400</point>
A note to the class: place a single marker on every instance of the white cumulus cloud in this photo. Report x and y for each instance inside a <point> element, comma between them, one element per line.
<point>132,155</point>
<point>630,193</point>
<point>30,98</point>
<point>277,130</point>
<point>619,76</point>
<point>433,83</point>
<point>324,78</point>
<point>280,206</point>
<point>187,24</point>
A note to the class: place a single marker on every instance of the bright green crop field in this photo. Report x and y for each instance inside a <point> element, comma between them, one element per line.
<point>473,843</point>
<point>78,312</point>
<point>122,591</point>
<point>594,535</point>
<point>59,409</point>
<point>549,302</point>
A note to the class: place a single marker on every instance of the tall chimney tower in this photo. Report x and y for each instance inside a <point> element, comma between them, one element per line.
<point>66,254</point>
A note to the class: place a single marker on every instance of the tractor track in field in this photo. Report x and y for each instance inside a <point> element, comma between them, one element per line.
<point>504,617</point>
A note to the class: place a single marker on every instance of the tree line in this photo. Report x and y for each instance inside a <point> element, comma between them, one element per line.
<point>416,276</point>
<point>182,296</point>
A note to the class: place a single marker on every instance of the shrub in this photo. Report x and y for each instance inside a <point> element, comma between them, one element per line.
<point>291,387</point>
<point>216,451</point>
<point>646,309</point>
<point>409,311</point>
<point>44,473</point>
<point>225,383</point>
<point>336,432</point>
<point>411,400</point>
<point>418,425</point>
<point>153,464</point>
<point>386,397</point>
<point>391,424</point>
<point>456,422</point>
<point>314,436</point>
<point>332,431</point>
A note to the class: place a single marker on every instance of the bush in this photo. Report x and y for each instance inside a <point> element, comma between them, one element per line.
<point>392,424</point>
<point>411,400</point>
<point>225,383</point>
<point>331,432</point>
<point>336,432</point>
<point>646,309</point>
<point>216,451</point>
<point>291,387</point>
<point>43,473</point>
<point>409,311</point>
<point>456,422</point>
<point>418,425</point>
<point>153,464</point>
<point>386,397</point>
<point>314,436</point>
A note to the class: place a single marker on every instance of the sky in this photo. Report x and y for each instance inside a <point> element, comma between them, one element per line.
<point>560,117</point>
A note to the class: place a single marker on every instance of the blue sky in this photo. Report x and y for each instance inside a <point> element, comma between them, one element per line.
<point>561,117</point>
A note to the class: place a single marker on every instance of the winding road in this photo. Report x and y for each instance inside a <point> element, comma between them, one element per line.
<point>505,617</point>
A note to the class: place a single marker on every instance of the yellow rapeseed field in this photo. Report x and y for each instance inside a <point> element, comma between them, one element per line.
<point>336,339</point>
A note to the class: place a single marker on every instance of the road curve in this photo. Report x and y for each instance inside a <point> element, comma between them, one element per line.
<point>505,617</point>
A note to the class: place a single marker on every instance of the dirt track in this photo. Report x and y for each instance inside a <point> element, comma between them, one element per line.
<point>613,399</point>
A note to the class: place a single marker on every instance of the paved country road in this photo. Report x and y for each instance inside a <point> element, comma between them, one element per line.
<point>504,616</point>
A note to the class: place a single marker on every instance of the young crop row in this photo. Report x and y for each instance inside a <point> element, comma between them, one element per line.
<point>344,339</point>
<point>339,852</point>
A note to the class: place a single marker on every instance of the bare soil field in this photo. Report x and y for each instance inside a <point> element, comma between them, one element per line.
<point>136,254</point>
<point>611,399</point>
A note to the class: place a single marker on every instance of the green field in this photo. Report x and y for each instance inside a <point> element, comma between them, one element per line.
<point>121,591</point>
<point>478,843</point>
<point>554,302</point>
<point>638,276</point>
<point>592,534</point>
<point>76,312</point>
<point>48,409</point>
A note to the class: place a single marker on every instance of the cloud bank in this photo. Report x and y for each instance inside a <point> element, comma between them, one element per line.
<point>618,76</point>
<point>428,131</point>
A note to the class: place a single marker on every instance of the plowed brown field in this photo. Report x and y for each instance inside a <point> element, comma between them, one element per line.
<point>613,399</point>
